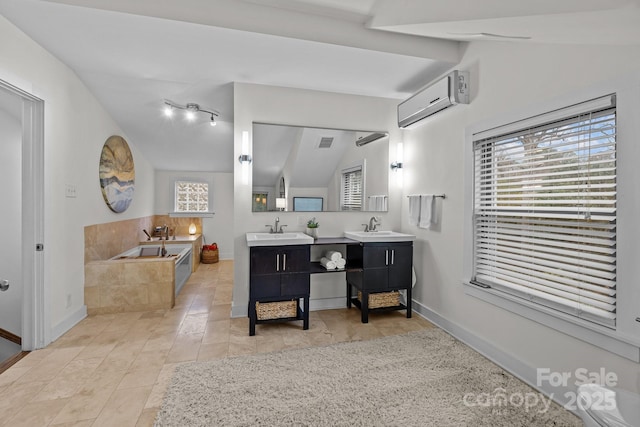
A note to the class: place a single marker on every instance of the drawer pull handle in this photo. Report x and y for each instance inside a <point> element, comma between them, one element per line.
<point>277,262</point>
<point>386,257</point>
<point>393,256</point>
<point>284,262</point>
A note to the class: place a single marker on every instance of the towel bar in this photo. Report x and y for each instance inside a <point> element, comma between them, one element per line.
<point>442,196</point>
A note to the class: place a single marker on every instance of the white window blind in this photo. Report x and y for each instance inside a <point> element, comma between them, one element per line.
<point>191,196</point>
<point>352,189</point>
<point>545,210</point>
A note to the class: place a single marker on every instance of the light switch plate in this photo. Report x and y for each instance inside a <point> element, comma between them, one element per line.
<point>70,190</point>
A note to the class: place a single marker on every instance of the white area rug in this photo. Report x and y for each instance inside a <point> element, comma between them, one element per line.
<point>424,378</point>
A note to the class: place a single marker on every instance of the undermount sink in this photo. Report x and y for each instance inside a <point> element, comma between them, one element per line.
<point>278,239</point>
<point>379,236</point>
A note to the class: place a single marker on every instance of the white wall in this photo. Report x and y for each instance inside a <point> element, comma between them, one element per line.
<point>76,127</point>
<point>268,104</point>
<point>10,225</point>
<point>218,229</point>
<point>507,77</point>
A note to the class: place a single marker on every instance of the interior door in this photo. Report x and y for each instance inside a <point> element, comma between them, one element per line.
<point>11,281</point>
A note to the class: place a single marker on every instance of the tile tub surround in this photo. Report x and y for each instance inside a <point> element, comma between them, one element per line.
<point>129,285</point>
<point>103,241</point>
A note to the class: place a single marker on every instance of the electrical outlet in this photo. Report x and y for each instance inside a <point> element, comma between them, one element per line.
<point>68,300</point>
<point>70,190</point>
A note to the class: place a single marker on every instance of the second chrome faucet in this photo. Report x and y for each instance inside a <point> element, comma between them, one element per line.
<point>276,229</point>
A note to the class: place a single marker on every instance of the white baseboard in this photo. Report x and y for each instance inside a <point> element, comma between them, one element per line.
<point>58,330</point>
<point>327,303</point>
<point>528,374</point>
<point>239,311</point>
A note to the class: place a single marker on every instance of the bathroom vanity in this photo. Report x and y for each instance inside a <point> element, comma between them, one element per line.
<point>279,273</point>
<point>376,267</point>
<point>280,270</point>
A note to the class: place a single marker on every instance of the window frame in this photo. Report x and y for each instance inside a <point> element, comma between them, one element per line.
<point>359,166</point>
<point>625,339</point>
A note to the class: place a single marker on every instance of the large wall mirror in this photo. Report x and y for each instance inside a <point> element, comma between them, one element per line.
<point>310,169</point>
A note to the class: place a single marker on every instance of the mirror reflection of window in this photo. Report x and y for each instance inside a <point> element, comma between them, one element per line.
<point>310,162</point>
<point>259,202</point>
<point>351,189</point>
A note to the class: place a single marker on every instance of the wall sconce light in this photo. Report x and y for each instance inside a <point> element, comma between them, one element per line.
<point>399,154</point>
<point>281,203</point>
<point>396,165</point>
<point>190,111</point>
<point>245,147</point>
<point>192,229</point>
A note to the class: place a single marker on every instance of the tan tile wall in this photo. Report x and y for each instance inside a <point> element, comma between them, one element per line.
<point>129,285</point>
<point>180,226</point>
<point>104,241</point>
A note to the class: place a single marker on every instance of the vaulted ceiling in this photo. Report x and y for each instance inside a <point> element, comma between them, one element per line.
<point>134,54</point>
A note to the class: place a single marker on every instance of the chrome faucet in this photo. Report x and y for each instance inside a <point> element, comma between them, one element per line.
<point>373,222</point>
<point>276,229</point>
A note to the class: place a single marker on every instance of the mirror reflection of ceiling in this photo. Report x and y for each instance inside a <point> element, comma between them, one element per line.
<point>313,165</point>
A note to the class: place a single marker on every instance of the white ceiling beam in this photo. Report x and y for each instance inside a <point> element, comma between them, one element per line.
<point>247,16</point>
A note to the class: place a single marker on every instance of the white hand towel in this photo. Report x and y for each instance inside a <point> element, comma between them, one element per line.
<point>378,203</point>
<point>327,263</point>
<point>414,209</point>
<point>427,216</point>
<point>341,263</point>
<point>333,255</point>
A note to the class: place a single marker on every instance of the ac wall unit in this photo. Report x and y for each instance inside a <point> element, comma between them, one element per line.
<point>451,90</point>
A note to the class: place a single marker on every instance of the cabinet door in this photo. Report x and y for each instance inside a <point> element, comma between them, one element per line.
<point>294,284</point>
<point>265,261</point>
<point>294,259</point>
<point>400,265</point>
<point>375,256</point>
<point>264,286</point>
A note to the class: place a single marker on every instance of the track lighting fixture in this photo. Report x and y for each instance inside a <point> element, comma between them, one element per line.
<point>191,110</point>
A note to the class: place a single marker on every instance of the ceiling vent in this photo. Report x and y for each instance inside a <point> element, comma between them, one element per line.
<point>370,138</point>
<point>451,90</point>
<point>325,142</point>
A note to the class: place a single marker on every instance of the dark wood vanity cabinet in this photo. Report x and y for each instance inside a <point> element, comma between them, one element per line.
<point>279,273</point>
<point>379,267</point>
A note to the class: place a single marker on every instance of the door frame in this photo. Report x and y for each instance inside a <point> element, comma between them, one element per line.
<point>36,331</point>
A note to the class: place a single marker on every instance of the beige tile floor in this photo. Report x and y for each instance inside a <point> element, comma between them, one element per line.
<point>113,370</point>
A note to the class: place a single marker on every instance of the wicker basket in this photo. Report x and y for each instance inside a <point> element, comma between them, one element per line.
<point>382,299</point>
<point>276,310</point>
<point>209,256</point>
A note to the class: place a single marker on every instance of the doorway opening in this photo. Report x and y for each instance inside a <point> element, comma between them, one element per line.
<point>23,313</point>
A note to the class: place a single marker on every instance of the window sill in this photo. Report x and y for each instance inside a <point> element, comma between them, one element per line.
<point>591,333</point>
<point>191,214</point>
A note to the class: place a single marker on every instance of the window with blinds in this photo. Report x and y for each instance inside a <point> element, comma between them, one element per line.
<point>191,196</point>
<point>351,194</point>
<point>545,210</point>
